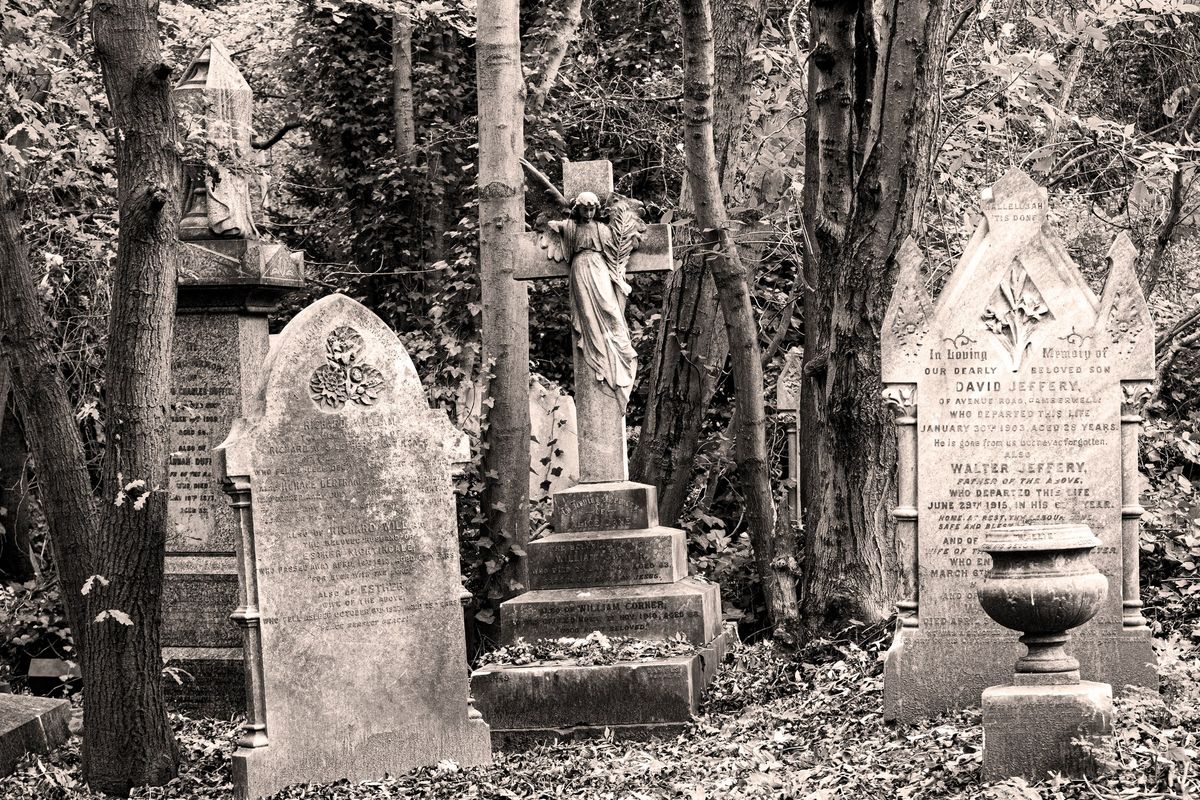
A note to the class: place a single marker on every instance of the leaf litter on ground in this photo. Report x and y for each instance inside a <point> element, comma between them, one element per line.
<point>776,724</point>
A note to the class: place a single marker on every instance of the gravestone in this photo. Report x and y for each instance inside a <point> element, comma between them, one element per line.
<point>30,724</point>
<point>609,566</point>
<point>553,440</point>
<point>348,557</point>
<point>230,278</point>
<point>1017,397</point>
<point>787,403</point>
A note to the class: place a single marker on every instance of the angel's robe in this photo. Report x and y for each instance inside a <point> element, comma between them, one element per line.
<point>598,305</point>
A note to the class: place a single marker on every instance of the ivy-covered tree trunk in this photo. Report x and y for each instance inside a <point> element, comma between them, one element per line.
<point>875,79</point>
<point>505,300</point>
<point>402,84</point>
<point>773,557</point>
<point>692,346</point>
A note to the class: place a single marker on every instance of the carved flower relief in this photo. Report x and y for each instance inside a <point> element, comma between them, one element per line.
<point>344,378</point>
<point>1124,323</point>
<point>1015,311</point>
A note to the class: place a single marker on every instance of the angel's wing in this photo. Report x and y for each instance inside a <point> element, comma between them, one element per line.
<point>550,239</point>
<point>627,232</point>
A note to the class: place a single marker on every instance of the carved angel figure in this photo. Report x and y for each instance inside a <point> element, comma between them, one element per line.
<point>598,253</point>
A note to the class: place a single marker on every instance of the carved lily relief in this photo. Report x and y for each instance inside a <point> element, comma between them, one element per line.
<point>344,378</point>
<point>1015,311</point>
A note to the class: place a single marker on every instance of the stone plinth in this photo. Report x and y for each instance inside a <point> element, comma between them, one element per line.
<point>1030,731</point>
<point>610,567</point>
<point>608,558</point>
<point>30,725</point>
<point>660,611</point>
<point>564,701</point>
<point>229,279</point>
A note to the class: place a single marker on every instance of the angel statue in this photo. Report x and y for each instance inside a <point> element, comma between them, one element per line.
<point>598,252</point>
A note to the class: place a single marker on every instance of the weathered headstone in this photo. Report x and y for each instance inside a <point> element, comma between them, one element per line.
<point>30,724</point>
<point>230,279</point>
<point>609,566</point>
<point>348,558</point>
<point>787,403</point>
<point>1017,398</point>
<point>553,440</point>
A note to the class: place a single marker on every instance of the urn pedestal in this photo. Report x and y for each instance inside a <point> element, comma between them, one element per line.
<point>1042,584</point>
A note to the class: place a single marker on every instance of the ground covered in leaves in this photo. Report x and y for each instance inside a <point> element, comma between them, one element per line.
<point>776,725</point>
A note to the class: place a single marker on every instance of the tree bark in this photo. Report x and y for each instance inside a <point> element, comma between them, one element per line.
<point>505,300</point>
<point>402,85</point>
<point>16,558</point>
<point>774,557</point>
<point>130,742</point>
<point>552,50</point>
<point>874,81</point>
<point>692,346</point>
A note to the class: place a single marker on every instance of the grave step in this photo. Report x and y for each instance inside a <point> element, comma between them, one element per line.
<point>608,558</point>
<point>30,724</point>
<point>691,607</point>
<point>615,506</point>
<point>538,702</point>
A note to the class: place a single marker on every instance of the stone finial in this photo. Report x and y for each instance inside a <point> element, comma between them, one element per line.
<point>906,323</point>
<point>1124,321</point>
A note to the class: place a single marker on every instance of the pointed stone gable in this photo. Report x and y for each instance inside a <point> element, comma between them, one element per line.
<point>1015,395</point>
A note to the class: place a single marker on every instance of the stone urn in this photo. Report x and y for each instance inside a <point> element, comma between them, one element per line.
<point>1042,584</point>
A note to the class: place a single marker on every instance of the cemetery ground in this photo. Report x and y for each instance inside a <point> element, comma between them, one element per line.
<point>776,724</point>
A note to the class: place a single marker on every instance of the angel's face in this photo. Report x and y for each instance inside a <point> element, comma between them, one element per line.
<point>587,212</point>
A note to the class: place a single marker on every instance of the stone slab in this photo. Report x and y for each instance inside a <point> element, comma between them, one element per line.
<point>1029,731</point>
<point>1017,383</point>
<point>610,558</point>
<point>30,724</point>
<point>614,506</point>
<point>532,703</point>
<point>215,684</point>
<point>920,682</point>
<point>690,607</point>
<point>355,644</point>
<point>553,439</point>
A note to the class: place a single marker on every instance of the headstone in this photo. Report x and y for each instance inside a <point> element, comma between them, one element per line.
<point>787,403</point>
<point>230,279</point>
<point>30,724</point>
<point>1017,397</point>
<point>553,440</point>
<point>348,556</point>
<point>609,566</point>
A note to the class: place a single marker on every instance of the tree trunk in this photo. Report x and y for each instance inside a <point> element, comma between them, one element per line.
<point>692,346</point>
<point>774,557</point>
<point>552,50</point>
<point>16,558</point>
<point>869,148</point>
<point>1175,203</point>
<point>130,742</point>
<point>505,300</point>
<point>402,86</point>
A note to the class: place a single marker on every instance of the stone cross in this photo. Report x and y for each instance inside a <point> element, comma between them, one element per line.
<point>602,450</point>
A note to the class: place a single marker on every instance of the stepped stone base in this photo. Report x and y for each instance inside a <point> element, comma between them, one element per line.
<point>608,558</point>
<point>30,724</point>
<point>658,611</point>
<point>1032,731</point>
<point>539,702</point>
